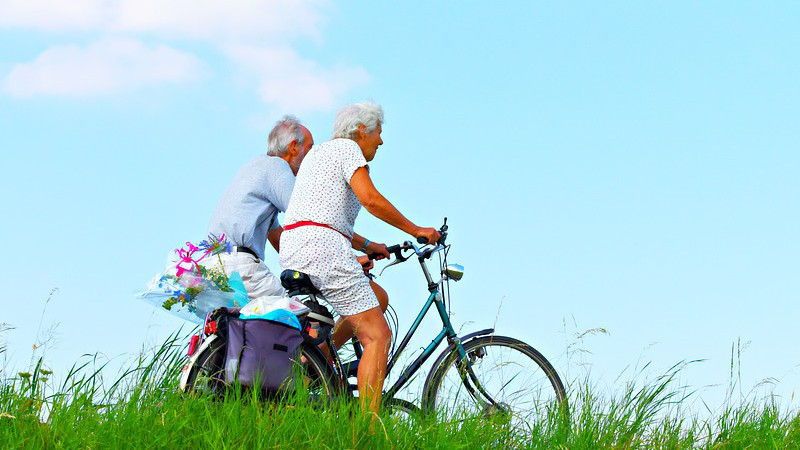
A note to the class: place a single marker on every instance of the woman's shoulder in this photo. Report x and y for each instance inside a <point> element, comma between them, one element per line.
<point>335,150</point>
<point>339,144</point>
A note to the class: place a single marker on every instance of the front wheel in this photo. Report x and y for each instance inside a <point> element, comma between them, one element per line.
<point>401,410</point>
<point>500,376</point>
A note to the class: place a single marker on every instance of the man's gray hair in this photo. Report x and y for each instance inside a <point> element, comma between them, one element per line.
<point>351,116</point>
<point>283,134</point>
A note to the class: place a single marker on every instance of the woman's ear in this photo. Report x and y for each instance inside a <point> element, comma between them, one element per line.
<point>360,132</point>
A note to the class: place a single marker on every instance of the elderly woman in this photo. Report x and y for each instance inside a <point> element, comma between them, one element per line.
<point>332,185</point>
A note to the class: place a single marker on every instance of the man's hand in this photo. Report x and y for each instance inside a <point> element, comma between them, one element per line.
<point>431,234</point>
<point>380,249</point>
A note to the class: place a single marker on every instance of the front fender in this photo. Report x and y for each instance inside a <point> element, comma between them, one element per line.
<point>435,367</point>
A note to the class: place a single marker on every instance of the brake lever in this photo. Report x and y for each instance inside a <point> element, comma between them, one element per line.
<point>396,261</point>
<point>398,258</point>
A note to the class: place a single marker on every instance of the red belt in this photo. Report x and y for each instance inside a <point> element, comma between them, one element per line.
<point>303,223</point>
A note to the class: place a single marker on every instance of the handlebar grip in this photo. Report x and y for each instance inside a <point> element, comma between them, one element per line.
<point>422,240</point>
<point>392,249</point>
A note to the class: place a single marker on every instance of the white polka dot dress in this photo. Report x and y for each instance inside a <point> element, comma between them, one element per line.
<point>322,194</point>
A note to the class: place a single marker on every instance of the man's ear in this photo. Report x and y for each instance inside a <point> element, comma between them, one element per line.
<point>361,128</point>
<point>294,149</point>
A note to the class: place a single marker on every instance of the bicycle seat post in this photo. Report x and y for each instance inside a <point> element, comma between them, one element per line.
<point>357,348</point>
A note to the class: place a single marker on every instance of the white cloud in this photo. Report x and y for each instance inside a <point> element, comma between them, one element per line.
<point>55,15</point>
<point>214,19</point>
<point>195,19</point>
<point>255,34</point>
<point>292,83</point>
<point>104,67</point>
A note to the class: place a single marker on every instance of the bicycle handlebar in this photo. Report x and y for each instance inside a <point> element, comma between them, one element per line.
<point>425,253</point>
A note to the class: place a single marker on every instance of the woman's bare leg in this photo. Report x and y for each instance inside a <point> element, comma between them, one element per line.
<point>373,332</point>
<point>344,331</point>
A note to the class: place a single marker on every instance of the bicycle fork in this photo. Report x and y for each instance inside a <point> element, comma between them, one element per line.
<point>470,380</point>
<point>464,363</point>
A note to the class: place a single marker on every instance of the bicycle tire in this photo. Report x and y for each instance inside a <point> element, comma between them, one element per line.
<point>514,374</point>
<point>207,375</point>
<point>317,374</point>
<point>398,406</point>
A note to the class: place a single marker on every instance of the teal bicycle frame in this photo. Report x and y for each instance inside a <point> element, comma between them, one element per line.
<point>435,298</point>
<point>447,332</point>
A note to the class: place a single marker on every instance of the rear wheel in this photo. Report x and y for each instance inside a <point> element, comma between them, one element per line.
<point>500,377</point>
<point>206,375</point>
<point>312,376</point>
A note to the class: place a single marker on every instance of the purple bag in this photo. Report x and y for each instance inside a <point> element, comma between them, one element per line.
<point>262,351</point>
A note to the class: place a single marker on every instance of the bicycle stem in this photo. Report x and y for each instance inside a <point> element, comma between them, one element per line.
<point>432,287</point>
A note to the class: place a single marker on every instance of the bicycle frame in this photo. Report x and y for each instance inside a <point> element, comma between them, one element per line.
<point>447,332</point>
<point>435,298</point>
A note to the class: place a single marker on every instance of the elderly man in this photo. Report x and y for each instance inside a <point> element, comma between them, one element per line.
<point>248,211</point>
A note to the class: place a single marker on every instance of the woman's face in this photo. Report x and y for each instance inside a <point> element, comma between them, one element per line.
<point>369,143</point>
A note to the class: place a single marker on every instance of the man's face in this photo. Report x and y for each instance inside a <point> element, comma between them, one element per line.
<point>301,150</point>
<point>370,142</point>
<point>308,140</point>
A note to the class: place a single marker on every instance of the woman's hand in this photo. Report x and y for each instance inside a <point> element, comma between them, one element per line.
<point>431,234</point>
<point>380,249</point>
<point>365,262</point>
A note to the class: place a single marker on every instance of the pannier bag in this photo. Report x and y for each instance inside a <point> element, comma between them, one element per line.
<point>260,351</point>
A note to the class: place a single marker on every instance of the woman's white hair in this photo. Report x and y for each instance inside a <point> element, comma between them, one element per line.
<point>286,131</point>
<point>350,117</point>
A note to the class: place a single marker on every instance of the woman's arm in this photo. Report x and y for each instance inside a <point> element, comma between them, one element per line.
<point>362,244</point>
<point>380,207</point>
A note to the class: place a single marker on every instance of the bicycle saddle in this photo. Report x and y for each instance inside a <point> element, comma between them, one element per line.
<point>297,283</point>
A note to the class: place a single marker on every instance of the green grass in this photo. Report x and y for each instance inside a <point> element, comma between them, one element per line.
<point>142,409</point>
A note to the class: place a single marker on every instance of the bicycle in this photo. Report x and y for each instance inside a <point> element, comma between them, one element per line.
<point>478,373</point>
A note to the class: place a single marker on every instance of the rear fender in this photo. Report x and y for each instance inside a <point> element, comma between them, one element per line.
<point>193,359</point>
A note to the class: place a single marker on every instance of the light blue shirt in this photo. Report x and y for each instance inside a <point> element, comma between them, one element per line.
<point>249,208</point>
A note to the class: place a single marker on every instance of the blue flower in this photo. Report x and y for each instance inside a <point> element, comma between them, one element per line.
<point>212,243</point>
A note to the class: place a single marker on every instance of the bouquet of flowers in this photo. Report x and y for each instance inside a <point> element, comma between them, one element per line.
<point>195,283</point>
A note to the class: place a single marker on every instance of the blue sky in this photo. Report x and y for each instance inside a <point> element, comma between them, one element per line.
<point>617,166</point>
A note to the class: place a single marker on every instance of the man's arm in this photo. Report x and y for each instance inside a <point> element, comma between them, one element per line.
<point>281,191</point>
<point>274,237</point>
<point>279,194</point>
